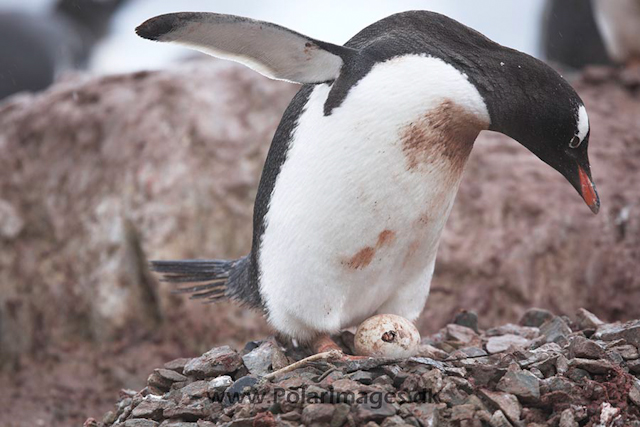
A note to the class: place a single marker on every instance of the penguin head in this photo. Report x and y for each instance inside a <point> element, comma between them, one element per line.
<point>537,107</point>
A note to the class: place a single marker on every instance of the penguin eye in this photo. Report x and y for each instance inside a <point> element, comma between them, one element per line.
<point>575,142</point>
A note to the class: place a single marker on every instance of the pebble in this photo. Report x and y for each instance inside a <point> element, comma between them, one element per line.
<point>629,331</point>
<point>535,317</point>
<point>585,348</point>
<point>523,384</point>
<point>258,361</point>
<point>600,366</point>
<point>499,344</point>
<point>317,413</point>
<point>468,319</point>
<point>506,402</point>
<point>219,384</point>
<point>567,419</point>
<point>555,331</point>
<point>221,360</point>
<point>140,423</point>
<point>587,320</point>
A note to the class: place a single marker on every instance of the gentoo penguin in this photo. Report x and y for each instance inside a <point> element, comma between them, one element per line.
<point>619,23</point>
<point>366,162</point>
<point>35,49</point>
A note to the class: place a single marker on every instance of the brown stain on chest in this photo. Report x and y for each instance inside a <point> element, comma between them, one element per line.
<point>444,134</point>
<point>364,256</point>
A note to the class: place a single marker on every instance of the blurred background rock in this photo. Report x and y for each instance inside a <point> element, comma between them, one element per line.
<point>103,171</point>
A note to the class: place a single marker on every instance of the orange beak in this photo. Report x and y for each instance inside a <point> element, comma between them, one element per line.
<point>588,191</point>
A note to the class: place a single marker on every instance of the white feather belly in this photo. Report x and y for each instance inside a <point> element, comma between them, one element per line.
<point>354,220</point>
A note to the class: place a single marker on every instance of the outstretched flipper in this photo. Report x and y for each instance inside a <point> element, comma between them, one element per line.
<point>271,50</point>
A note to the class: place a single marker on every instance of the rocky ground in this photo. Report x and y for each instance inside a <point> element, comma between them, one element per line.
<point>544,371</point>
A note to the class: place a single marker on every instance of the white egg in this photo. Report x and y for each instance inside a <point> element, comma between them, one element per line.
<point>387,335</point>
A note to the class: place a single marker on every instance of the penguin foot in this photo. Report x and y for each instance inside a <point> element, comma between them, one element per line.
<point>324,343</point>
<point>325,348</point>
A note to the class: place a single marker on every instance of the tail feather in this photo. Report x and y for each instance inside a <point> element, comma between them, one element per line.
<point>213,273</point>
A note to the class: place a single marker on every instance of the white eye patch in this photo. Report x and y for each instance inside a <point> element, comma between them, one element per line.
<point>583,123</point>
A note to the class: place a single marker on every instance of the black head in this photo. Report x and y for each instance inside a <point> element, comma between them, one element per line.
<point>538,108</point>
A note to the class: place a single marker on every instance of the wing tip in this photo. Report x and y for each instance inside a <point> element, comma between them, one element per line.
<point>157,27</point>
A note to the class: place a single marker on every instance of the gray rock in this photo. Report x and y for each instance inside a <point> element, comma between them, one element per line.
<point>219,384</point>
<point>428,414</point>
<point>555,331</point>
<point>217,361</point>
<point>431,352</point>
<point>433,381</point>
<point>535,317</point>
<point>537,372</point>
<point>394,421</point>
<point>506,402</point>
<point>627,351</point>
<point>196,389</point>
<point>562,364</point>
<point>483,374</point>
<point>182,424</point>
<point>502,343</point>
<point>202,408</point>
<point>587,320</point>
<point>171,375</point>
<point>567,419</point>
<point>461,335</point>
<point>140,422</point>
<point>451,394</point>
<point>239,388</point>
<point>340,415</point>
<point>471,352</point>
<point>317,413</point>
<point>629,331</point>
<point>374,411</point>
<point>498,419</point>
<point>156,381</point>
<point>523,384</point>
<point>258,361</point>
<point>462,412</point>
<point>511,329</point>
<point>561,384</point>
<point>634,366</point>
<point>585,348</point>
<point>152,407</point>
<point>599,367</point>
<point>177,364</point>
<point>634,392</point>
<point>468,319</point>
<point>578,375</point>
<point>362,377</point>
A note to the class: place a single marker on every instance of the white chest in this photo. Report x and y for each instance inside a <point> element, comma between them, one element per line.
<point>360,203</point>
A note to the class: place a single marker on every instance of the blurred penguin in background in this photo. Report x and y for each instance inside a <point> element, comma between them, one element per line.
<point>577,33</point>
<point>570,35</point>
<point>619,23</point>
<point>35,49</point>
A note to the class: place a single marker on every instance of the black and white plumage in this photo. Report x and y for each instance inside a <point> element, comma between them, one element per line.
<point>366,162</point>
<point>619,23</point>
<point>35,49</point>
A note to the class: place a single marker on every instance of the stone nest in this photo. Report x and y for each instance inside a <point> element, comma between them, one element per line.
<point>544,371</point>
